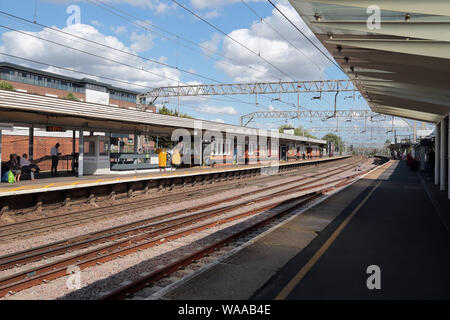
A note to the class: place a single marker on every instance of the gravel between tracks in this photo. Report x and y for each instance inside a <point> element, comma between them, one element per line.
<point>95,280</point>
<point>15,245</point>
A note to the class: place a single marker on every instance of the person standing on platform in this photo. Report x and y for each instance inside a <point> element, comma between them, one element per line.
<point>54,152</point>
<point>162,157</point>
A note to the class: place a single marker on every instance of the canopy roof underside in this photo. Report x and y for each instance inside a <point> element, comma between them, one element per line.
<point>401,68</point>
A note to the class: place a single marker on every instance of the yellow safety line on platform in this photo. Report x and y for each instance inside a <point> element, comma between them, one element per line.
<point>209,170</point>
<point>17,188</point>
<point>310,264</point>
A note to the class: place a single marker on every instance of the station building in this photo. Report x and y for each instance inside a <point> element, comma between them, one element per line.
<point>33,81</point>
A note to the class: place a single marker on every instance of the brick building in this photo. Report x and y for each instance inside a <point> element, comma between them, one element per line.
<point>34,81</point>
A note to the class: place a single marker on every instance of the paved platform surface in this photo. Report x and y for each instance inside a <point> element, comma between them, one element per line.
<point>67,182</point>
<point>394,225</point>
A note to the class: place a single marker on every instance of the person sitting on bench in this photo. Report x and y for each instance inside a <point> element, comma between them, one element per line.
<point>26,166</point>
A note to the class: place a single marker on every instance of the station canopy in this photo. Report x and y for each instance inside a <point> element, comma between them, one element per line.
<point>401,65</point>
<point>24,109</point>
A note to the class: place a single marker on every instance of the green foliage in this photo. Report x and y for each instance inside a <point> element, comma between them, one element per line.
<point>70,96</point>
<point>299,131</point>
<point>166,142</point>
<point>170,112</point>
<point>337,141</point>
<point>6,86</point>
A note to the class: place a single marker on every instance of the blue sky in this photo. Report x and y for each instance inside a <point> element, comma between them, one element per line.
<point>141,35</point>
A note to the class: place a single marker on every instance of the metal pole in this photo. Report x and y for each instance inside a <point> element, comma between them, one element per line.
<point>80,153</point>
<point>178,101</point>
<point>73,142</point>
<point>437,155</point>
<point>31,143</point>
<point>448,155</point>
<point>443,169</point>
<point>136,138</point>
<point>0,151</point>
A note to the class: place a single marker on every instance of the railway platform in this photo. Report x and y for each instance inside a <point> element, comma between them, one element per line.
<point>68,188</point>
<point>390,219</point>
<point>72,182</point>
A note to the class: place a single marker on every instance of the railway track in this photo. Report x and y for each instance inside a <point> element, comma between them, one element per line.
<point>126,239</point>
<point>114,233</point>
<point>47,224</point>
<point>127,290</point>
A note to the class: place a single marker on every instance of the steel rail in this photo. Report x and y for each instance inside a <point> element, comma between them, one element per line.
<point>46,219</point>
<point>141,283</point>
<point>61,247</point>
<point>96,213</point>
<point>43,274</point>
<point>54,270</point>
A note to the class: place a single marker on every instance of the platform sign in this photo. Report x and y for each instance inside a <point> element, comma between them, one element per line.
<point>54,129</point>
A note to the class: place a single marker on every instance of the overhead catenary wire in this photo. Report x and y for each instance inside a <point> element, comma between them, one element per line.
<point>304,35</point>
<point>279,33</point>
<point>231,38</point>
<point>123,15</point>
<point>282,36</point>
<point>88,53</point>
<point>89,74</point>
<point>112,60</point>
<point>112,10</point>
<point>109,47</point>
<point>74,70</point>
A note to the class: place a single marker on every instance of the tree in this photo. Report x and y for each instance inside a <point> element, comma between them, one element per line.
<point>299,131</point>
<point>170,112</point>
<point>70,96</point>
<point>166,141</point>
<point>387,142</point>
<point>6,86</point>
<point>337,141</point>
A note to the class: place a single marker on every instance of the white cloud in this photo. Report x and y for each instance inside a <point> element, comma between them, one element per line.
<point>24,46</point>
<point>211,14</point>
<point>157,6</point>
<point>212,44</point>
<point>96,23</point>
<point>202,4</point>
<point>119,30</point>
<point>398,123</point>
<point>141,41</point>
<point>261,38</point>
<point>219,120</point>
<point>216,109</point>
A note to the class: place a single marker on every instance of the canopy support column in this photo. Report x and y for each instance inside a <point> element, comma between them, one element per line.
<point>437,156</point>
<point>443,155</point>
<point>31,143</point>
<point>80,153</point>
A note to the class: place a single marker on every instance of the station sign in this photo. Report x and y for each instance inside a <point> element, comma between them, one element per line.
<point>54,129</point>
